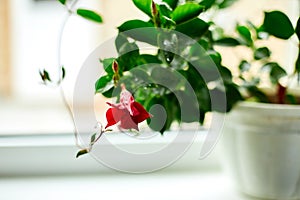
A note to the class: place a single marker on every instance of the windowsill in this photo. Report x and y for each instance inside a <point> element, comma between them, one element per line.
<point>171,186</point>
<point>54,154</point>
<point>36,164</point>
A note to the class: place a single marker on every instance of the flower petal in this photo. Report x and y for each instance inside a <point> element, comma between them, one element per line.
<point>128,123</point>
<point>113,116</point>
<point>126,99</point>
<point>142,113</point>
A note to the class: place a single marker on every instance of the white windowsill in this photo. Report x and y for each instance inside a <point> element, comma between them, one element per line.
<point>54,154</point>
<point>170,186</point>
<point>35,166</point>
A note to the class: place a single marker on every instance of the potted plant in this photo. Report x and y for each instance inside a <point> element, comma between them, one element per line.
<point>166,70</point>
<point>181,78</point>
<point>261,138</point>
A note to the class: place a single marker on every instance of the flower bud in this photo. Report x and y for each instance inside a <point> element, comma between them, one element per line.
<point>154,11</point>
<point>115,67</point>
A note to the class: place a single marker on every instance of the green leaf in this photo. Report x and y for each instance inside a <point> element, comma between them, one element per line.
<point>63,71</point>
<point>216,57</point>
<point>245,34</point>
<point>232,95</point>
<point>63,2</point>
<point>262,53</point>
<point>93,137</point>
<point>159,115</point>
<point>134,24</point>
<point>291,99</point>
<point>112,92</point>
<point>186,12</point>
<point>225,74</point>
<point>165,77</point>
<point>278,24</point>
<point>140,74</point>
<point>297,29</point>
<point>189,107</point>
<point>244,66</point>
<point>194,28</point>
<point>140,30</point>
<point>81,152</point>
<point>45,75</point>
<point>120,41</point>
<point>128,55</point>
<point>103,84</point>
<point>228,41</point>
<point>171,3</point>
<point>276,72</point>
<point>147,58</point>
<point>107,65</point>
<point>226,3</point>
<point>90,15</point>
<point>144,5</point>
<point>297,64</point>
<point>255,92</point>
<point>207,3</point>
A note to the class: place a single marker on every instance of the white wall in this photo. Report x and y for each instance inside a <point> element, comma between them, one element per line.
<point>35,32</point>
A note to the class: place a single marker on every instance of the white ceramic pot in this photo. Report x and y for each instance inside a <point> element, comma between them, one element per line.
<point>261,149</point>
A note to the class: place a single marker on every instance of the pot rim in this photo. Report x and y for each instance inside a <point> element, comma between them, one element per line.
<point>266,106</point>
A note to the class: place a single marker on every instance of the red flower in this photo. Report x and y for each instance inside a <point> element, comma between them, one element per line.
<point>128,112</point>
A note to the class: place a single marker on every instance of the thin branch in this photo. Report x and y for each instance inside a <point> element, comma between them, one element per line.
<point>64,99</point>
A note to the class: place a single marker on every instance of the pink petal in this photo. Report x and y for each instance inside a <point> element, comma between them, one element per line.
<point>126,99</point>
<point>128,123</point>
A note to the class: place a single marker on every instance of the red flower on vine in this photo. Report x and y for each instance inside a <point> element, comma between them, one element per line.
<point>128,112</point>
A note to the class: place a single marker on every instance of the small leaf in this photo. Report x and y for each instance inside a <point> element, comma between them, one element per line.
<point>297,29</point>
<point>244,66</point>
<point>245,34</point>
<point>93,137</point>
<point>278,24</point>
<point>226,3</point>
<point>45,75</point>
<point>261,53</point>
<point>144,5</point>
<point>186,12</point>
<point>230,42</point>
<point>63,70</point>
<point>255,92</point>
<point>276,72</point>
<point>81,152</point>
<point>297,64</point>
<point>90,15</point>
<point>63,2</point>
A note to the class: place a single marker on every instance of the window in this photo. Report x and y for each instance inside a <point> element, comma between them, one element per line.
<point>29,42</point>
<point>4,49</point>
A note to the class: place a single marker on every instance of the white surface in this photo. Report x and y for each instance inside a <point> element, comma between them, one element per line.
<point>206,186</point>
<point>55,155</point>
<point>261,149</point>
